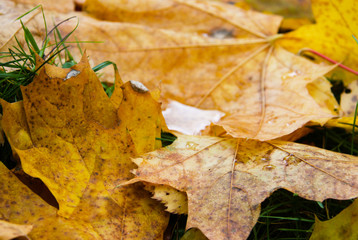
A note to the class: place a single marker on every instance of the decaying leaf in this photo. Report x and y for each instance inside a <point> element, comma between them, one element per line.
<point>227,179</point>
<point>10,230</point>
<point>344,226</point>
<point>68,133</point>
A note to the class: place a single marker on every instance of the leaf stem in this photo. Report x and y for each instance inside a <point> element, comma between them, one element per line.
<point>328,59</point>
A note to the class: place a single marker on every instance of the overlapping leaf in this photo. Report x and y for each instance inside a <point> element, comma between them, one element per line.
<point>336,22</point>
<point>227,179</point>
<point>69,134</point>
<point>342,227</point>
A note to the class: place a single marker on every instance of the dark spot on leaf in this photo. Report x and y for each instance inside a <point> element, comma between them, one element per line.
<point>347,90</point>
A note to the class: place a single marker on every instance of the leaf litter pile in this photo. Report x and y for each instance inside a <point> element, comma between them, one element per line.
<point>215,74</point>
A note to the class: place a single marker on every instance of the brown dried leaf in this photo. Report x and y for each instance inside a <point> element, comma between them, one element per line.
<point>227,179</point>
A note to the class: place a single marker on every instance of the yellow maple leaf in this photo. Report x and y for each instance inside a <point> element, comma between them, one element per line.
<point>68,133</point>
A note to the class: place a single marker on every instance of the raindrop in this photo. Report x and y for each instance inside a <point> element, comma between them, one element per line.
<point>192,146</point>
<point>268,167</point>
<point>290,74</point>
<point>290,159</point>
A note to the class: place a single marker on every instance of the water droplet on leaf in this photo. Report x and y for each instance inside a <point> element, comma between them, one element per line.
<point>290,74</point>
<point>192,146</point>
<point>268,167</point>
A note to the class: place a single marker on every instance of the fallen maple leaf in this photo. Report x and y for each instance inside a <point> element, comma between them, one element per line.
<point>227,179</point>
<point>68,133</point>
<point>242,73</point>
<point>342,227</point>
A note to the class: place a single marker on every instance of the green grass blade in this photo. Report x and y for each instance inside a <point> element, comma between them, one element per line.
<point>103,65</point>
<point>23,15</point>
<point>29,37</point>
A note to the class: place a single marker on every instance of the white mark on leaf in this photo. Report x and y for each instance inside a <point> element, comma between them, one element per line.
<point>138,87</point>
<point>72,73</point>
